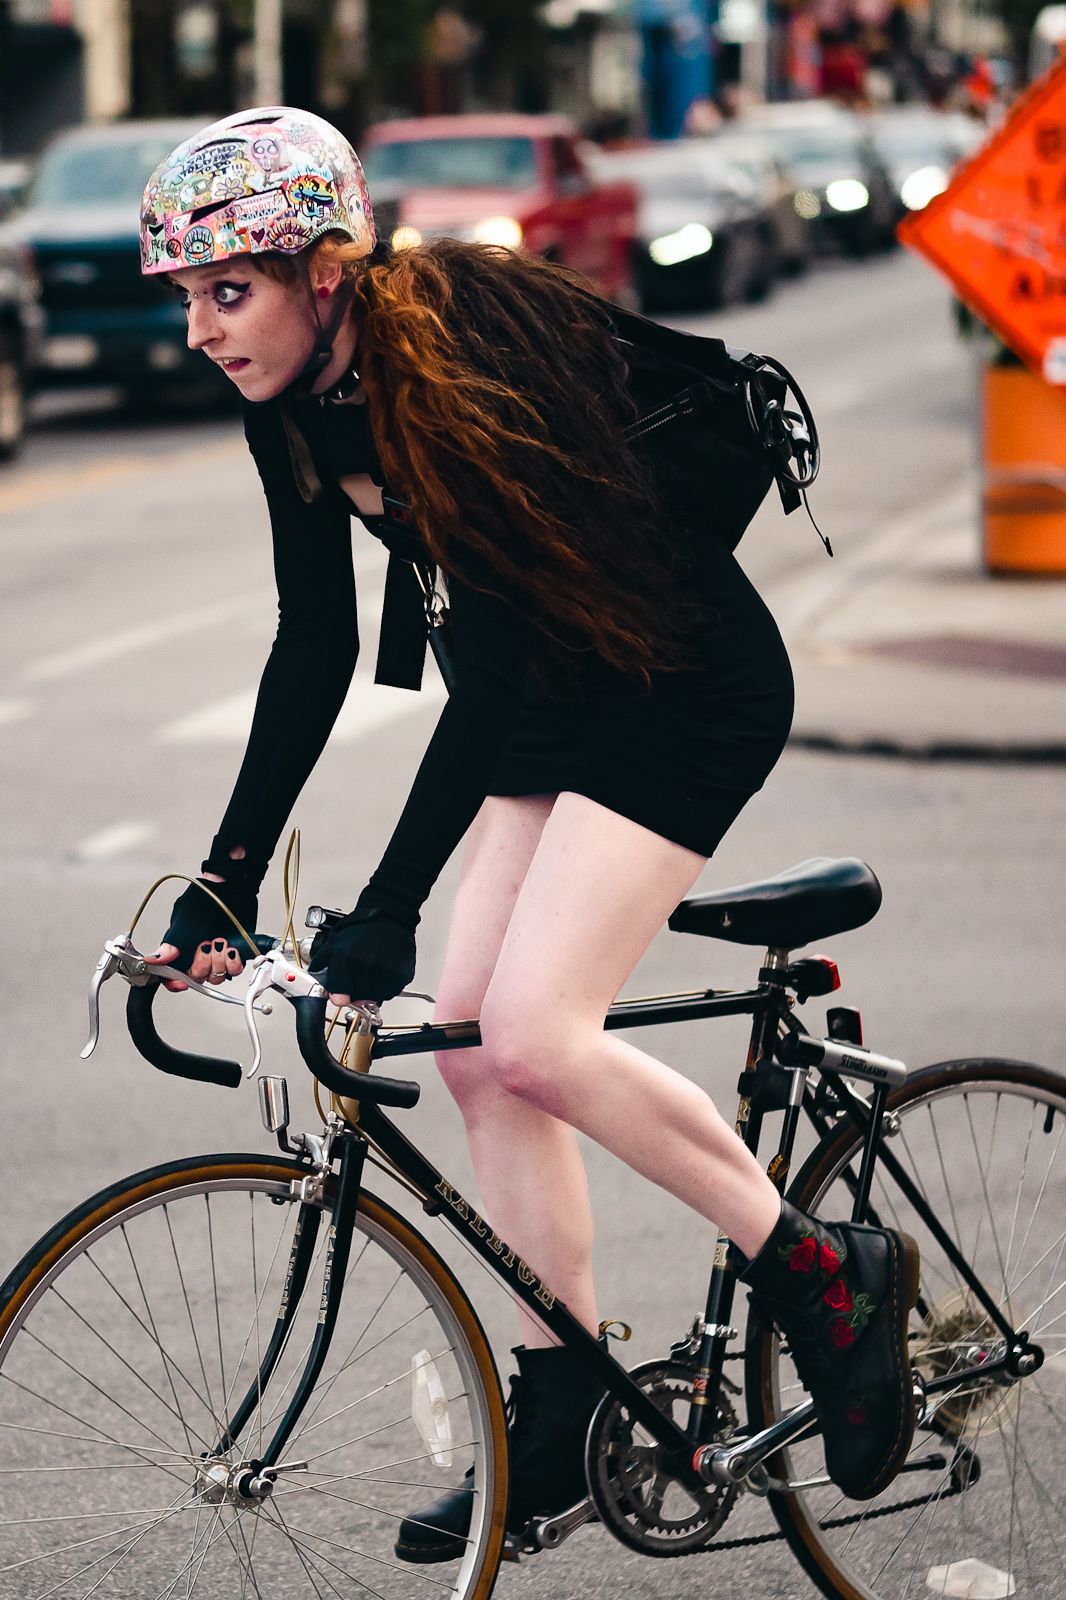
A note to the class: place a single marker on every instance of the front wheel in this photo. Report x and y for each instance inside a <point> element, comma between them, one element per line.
<point>130,1335</point>
<point>978,1510</point>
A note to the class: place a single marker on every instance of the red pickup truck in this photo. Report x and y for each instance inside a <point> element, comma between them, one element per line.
<point>505,178</point>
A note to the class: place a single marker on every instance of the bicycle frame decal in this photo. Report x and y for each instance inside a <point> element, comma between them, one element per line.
<point>507,1257</point>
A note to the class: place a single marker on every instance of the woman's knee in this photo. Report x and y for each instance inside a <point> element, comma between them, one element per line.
<point>530,1051</point>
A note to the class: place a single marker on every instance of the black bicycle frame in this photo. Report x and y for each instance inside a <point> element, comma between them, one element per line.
<point>764,1086</point>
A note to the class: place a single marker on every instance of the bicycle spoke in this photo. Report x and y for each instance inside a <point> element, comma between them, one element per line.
<point>316,1555</point>
<point>168,1360</point>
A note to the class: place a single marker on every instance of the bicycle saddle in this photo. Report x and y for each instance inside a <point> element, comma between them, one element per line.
<point>819,897</point>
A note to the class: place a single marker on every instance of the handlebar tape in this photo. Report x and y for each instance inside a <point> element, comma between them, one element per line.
<point>180,1063</point>
<point>310,1036</point>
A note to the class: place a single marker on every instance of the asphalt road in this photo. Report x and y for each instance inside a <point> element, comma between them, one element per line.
<point>136,608</point>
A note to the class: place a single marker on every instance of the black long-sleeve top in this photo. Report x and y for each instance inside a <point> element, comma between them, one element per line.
<point>314,653</point>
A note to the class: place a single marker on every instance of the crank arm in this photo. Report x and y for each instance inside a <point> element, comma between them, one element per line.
<point>548,1533</point>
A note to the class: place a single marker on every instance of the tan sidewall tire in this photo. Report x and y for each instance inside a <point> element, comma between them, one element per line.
<point>820,1165</point>
<point>67,1235</point>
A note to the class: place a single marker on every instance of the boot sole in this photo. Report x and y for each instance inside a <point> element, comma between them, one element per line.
<point>907,1270</point>
<point>424,1555</point>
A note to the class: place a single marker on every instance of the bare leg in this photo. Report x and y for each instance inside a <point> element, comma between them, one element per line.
<point>597,891</point>
<point>528,1165</point>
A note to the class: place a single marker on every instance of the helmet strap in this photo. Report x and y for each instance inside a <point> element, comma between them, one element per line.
<point>322,354</point>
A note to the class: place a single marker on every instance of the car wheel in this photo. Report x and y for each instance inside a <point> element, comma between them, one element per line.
<point>12,399</point>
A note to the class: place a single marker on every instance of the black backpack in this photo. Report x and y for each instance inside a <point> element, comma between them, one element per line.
<point>725,436</point>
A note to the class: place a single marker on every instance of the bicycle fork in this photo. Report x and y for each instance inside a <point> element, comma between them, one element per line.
<point>256,1475</point>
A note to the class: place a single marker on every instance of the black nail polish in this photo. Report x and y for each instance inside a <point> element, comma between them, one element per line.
<point>220,944</point>
<point>232,954</point>
<point>205,949</point>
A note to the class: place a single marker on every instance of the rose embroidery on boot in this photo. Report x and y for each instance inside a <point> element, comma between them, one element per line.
<point>828,1259</point>
<point>856,1416</point>
<point>838,1296</point>
<point>802,1256</point>
<point>843,1330</point>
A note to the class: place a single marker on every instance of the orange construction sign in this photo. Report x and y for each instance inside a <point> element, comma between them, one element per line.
<point>998,231</point>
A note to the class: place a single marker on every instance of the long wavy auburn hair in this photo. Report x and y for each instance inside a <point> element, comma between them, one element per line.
<point>498,400</point>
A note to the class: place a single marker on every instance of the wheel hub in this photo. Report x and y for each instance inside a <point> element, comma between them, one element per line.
<point>222,1482</point>
<point>955,1334</point>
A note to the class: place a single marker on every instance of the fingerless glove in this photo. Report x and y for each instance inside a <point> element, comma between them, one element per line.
<point>369,955</point>
<point>195,917</point>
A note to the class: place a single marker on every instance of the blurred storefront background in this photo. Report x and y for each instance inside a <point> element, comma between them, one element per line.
<point>621,68</point>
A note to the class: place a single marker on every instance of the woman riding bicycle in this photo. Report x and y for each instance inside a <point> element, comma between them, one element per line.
<point>620,693</point>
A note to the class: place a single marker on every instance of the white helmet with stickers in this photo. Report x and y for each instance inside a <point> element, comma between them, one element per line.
<point>272,178</point>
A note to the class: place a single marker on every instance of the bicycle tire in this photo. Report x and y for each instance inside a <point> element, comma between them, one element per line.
<point>839,1544</point>
<point>53,1343</point>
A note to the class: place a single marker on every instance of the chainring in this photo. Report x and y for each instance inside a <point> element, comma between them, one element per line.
<point>644,1506</point>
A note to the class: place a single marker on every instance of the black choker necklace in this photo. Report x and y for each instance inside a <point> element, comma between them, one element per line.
<point>347,392</point>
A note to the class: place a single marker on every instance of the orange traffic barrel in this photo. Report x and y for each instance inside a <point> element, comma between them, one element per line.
<point>1024,472</point>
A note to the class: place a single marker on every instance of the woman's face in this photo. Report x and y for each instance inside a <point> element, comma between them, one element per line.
<point>259,331</point>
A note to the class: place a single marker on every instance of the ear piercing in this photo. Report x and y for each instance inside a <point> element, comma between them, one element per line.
<point>323,293</point>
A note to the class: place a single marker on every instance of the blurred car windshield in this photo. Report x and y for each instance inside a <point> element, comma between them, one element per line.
<point>817,147</point>
<point>906,138</point>
<point>465,163</point>
<point>73,174</point>
<point>664,177</point>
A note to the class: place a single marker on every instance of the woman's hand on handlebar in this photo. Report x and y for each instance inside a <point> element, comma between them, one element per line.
<point>197,940</point>
<point>215,961</point>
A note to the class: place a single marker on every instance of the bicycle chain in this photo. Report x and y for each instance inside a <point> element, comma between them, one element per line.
<point>834,1522</point>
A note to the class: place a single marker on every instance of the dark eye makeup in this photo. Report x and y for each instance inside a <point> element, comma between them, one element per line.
<point>226,291</point>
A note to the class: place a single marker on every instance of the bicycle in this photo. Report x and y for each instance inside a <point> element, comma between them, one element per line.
<point>200,1383</point>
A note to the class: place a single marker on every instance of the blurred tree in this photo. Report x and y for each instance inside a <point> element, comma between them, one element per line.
<point>514,52</point>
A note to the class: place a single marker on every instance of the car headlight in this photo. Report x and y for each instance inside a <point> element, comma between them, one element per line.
<point>847,194</point>
<point>405,237</point>
<point>498,230</point>
<point>919,187</point>
<point>691,240</point>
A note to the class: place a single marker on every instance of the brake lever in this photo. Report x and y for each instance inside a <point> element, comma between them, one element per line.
<point>122,957</point>
<point>273,971</point>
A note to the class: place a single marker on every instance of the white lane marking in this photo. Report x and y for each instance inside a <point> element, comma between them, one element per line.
<point>144,636</point>
<point>800,605</point>
<point>116,840</point>
<point>850,394</point>
<point>14,711</point>
<point>368,708</point>
<point>221,722</point>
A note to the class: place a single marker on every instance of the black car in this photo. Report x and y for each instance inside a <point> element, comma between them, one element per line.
<point>920,147</point>
<point>778,191</point>
<point>104,323</point>
<point>20,335</point>
<point>843,185</point>
<point>703,236</point>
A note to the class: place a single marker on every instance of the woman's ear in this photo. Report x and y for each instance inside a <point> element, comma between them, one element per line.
<point>326,275</point>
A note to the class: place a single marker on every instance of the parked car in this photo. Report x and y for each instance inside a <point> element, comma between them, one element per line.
<point>778,191</point>
<point>14,177</point>
<point>920,146</point>
<point>104,323</point>
<point>510,179</point>
<point>21,323</point>
<point>703,237</point>
<point>843,183</point>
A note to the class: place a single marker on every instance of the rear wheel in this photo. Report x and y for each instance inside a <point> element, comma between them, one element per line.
<point>128,1337</point>
<point>979,1508</point>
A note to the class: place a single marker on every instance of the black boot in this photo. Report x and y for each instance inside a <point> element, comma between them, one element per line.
<point>842,1293</point>
<point>551,1406</point>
